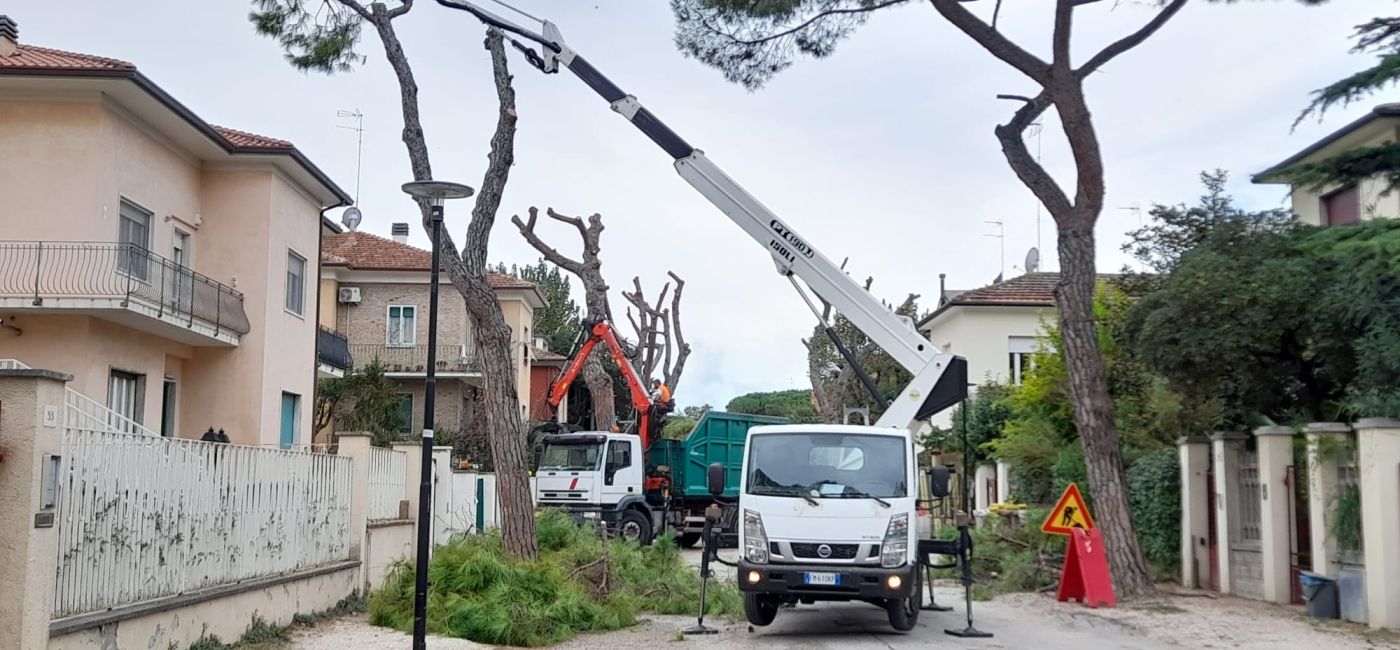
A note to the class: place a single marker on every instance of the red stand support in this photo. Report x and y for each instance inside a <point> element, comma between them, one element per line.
<point>1085,577</point>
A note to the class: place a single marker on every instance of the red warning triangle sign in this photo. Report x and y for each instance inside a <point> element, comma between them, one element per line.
<point>1069,513</point>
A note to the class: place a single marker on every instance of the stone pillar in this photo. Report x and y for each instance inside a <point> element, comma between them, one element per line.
<point>985,472</point>
<point>356,446</point>
<point>31,419</point>
<point>442,480</point>
<point>1275,448</point>
<point>1003,481</point>
<point>1378,456</point>
<point>1226,446</point>
<point>1195,517</point>
<point>1322,498</point>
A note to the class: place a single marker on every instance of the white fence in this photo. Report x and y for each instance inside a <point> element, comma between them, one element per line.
<point>388,473</point>
<point>84,412</point>
<point>141,516</point>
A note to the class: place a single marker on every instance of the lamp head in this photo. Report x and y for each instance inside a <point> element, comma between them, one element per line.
<point>436,192</point>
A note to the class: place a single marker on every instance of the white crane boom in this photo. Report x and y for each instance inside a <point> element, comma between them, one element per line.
<point>940,379</point>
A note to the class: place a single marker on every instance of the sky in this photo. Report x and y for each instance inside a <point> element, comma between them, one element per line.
<point>883,152</point>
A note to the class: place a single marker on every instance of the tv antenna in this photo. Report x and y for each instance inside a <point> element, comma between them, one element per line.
<point>1036,127</point>
<point>1135,208</point>
<point>1000,235</point>
<point>359,130</point>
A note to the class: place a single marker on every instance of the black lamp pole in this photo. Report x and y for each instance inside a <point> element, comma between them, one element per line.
<point>435,193</point>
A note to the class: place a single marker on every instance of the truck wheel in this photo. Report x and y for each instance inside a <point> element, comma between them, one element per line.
<point>760,609</point>
<point>688,540</point>
<point>904,613</point>
<point>634,526</point>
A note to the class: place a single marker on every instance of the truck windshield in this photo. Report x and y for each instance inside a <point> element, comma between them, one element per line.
<point>827,465</point>
<point>571,457</point>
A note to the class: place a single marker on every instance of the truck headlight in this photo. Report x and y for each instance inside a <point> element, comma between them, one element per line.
<point>895,548</point>
<point>755,538</point>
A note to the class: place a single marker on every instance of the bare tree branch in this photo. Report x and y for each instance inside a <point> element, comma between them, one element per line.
<point>1131,40</point>
<point>527,230</point>
<point>993,41</point>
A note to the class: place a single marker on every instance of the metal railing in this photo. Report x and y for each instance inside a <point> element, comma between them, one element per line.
<point>413,358</point>
<point>333,349</point>
<point>46,270</point>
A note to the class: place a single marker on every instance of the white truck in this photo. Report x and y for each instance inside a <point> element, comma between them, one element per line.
<point>827,511</point>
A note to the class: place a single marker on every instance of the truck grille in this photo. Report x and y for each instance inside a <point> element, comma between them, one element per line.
<point>838,551</point>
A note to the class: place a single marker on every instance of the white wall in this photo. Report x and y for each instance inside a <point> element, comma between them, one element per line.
<point>981,334</point>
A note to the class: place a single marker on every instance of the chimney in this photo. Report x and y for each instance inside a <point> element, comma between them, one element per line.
<point>400,231</point>
<point>542,343</point>
<point>9,36</point>
<point>942,289</point>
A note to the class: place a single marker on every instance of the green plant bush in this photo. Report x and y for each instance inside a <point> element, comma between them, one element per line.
<point>580,583</point>
<point>1346,526</point>
<point>1154,503</point>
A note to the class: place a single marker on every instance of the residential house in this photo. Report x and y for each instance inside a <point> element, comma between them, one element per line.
<point>1334,206</point>
<point>166,263</point>
<point>375,290</point>
<point>545,368</point>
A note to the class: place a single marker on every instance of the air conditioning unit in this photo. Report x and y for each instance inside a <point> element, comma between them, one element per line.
<point>349,295</point>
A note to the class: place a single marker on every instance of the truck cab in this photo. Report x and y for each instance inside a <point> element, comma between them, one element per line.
<point>596,476</point>
<point>828,512</point>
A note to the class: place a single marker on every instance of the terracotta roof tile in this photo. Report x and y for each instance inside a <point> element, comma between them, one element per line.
<point>541,354</point>
<point>43,58</point>
<point>246,140</point>
<point>1029,290</point>
<point>361,250</point>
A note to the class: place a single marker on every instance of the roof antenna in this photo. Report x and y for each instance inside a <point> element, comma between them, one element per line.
<point>351,216</point>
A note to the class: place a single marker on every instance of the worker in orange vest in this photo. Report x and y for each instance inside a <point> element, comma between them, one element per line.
<point>660,393</point>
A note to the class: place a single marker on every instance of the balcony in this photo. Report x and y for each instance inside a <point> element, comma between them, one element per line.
<point>121,283</point>
<point>412,360</point>
<point>332,353</point>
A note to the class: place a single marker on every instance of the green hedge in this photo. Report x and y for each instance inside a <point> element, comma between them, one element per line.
<point>1154,502</point>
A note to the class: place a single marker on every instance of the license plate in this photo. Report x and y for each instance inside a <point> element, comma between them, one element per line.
<point>821,578</point>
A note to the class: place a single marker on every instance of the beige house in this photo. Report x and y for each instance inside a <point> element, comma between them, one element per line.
<point>375,291</point>
<point>164,262</point>
<point>1333,206</point>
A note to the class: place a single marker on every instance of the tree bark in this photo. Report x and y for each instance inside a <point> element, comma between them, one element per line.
<point>466,271</point>
<point>1093,411</point>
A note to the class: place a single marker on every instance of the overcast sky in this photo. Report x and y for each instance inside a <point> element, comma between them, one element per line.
<point>883,152</point>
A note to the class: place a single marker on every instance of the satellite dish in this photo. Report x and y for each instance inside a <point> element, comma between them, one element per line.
<point>350,217</point>
<point>1032,260</point>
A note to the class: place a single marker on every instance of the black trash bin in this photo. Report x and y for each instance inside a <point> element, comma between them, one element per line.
<point>1320,592</point>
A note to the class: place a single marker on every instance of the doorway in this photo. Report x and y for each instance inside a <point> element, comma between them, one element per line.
<point>291,405</point>
<point>167,408</point>
<point>124,391</point>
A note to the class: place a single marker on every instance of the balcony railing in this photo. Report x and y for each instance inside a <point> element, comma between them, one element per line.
<point>413,358</point>
<point>46,270</point>
<point>332,349</point>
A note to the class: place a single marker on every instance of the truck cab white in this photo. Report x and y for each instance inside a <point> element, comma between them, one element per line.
<point>828,513</point>
<point>597,476</point>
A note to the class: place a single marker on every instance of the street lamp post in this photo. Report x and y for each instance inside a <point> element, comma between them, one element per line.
<point>435,193</point>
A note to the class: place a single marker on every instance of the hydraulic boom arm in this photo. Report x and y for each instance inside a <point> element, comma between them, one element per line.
<point>601,331</point>
<point>940,380</point>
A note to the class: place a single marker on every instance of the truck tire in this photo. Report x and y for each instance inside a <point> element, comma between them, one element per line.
<point>633,525</point>
<point>760,609</point>
<point>688,540</point>
<point>904,613</point>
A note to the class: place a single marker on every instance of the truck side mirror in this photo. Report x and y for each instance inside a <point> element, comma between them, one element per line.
<point>714,479</point>
<point>938,478</point>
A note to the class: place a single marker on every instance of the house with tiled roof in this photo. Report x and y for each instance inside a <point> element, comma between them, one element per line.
<point>166,263</point>
<point>375,290</point>
<point>997,328</point>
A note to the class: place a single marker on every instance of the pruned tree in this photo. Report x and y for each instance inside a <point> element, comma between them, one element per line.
<point>589,270</point>
<point>660,343</point>
<point>750,42</point>
<point>321,35</point>
<point>661,347</point>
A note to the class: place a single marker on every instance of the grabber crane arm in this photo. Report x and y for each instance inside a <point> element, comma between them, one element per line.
<point>939,379</point>
<point>602,332</point>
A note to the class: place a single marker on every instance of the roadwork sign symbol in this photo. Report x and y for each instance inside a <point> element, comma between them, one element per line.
<point>1068,514</point>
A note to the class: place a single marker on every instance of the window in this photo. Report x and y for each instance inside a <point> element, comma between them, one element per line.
<point>125,397</point>
<point>401,326</point>
<point>296,283</point>
<point>1341,207</point>
<point>619,457</point>
<point>826,465</point>
<point>405,412</point>
<point>1020,352</point>
<point>134,235</point>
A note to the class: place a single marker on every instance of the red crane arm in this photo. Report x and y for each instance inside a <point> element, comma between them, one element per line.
<point>601,331</point>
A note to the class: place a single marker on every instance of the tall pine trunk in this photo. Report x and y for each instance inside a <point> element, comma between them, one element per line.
<point>1093,410</point>
<point>467,271</point>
